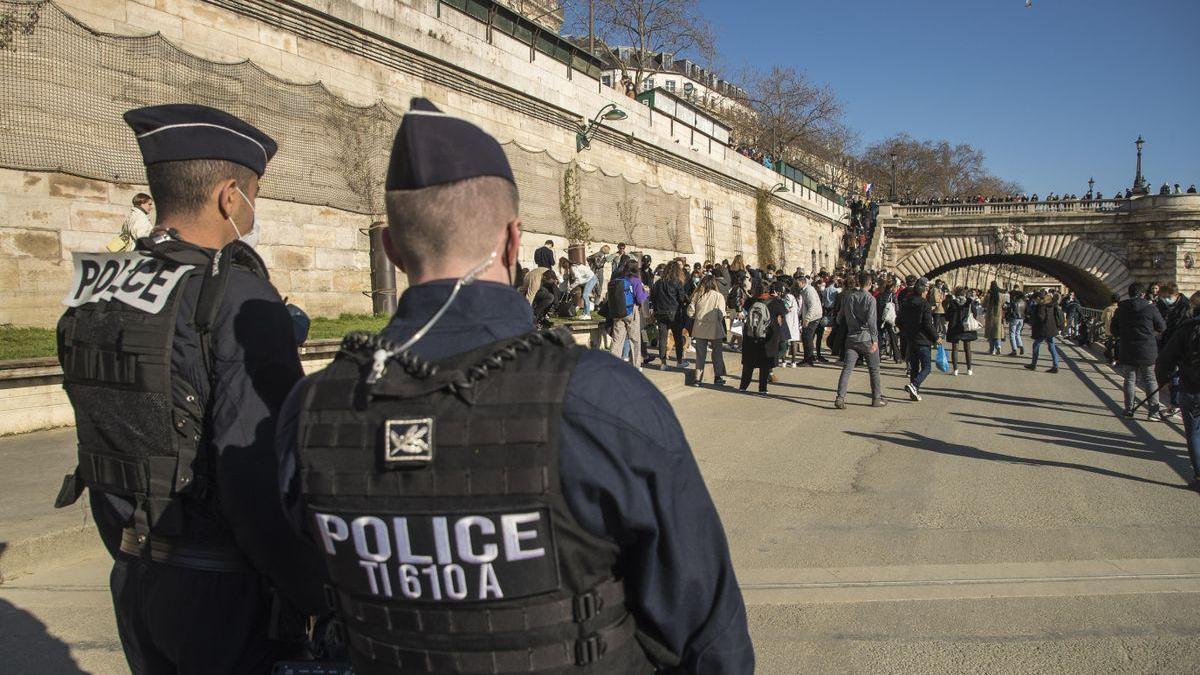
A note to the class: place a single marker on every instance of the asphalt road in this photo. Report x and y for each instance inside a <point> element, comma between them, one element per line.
<point>1008,523</point>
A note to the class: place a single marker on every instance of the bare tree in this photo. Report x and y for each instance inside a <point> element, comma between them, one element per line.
<point>790,117</point>
<point>627,213</point>
<point>650,27</point>
<point>929,168</point>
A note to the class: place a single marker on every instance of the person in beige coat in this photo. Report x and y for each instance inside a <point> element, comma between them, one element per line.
<point>707,309</point>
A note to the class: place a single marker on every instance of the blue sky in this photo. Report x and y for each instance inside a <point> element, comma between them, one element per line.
<point>1052,94</point>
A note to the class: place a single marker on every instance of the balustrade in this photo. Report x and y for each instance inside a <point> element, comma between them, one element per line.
<point>1094,205</point>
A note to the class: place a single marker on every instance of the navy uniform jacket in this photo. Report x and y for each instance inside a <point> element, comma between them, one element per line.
<point>627,471</point>
<point>257,365</point>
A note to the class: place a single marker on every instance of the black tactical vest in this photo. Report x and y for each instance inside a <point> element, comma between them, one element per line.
<point>434,492</point>
<point>140,427</point>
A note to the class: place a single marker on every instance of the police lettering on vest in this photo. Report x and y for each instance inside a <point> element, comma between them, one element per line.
<point>136,279</point>
<point>469,557</point>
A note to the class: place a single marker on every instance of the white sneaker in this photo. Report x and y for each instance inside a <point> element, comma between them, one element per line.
<point>585,317</point>
<point>955,373</point>
<point>970,372</point>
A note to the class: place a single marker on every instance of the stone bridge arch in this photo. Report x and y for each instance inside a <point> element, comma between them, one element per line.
<point>1093,273</point>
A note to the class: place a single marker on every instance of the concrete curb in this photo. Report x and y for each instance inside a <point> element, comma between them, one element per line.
<point>53,549</point>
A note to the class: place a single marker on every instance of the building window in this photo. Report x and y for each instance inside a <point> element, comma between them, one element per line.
<point>671,85</point>
<point>648,84</point>
<point>606,80</point>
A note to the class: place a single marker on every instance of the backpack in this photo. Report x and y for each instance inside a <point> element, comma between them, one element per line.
<point>620,297</point>
<point>889,312</point>
<point>758,321</point>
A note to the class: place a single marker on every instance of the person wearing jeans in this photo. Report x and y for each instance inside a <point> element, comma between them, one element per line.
<point>1047,322</point>
<point>1178,355</point>
<point>1050,346</point>
<point>860,318</point>
<point>920,334</point>
<point>1137,323</point>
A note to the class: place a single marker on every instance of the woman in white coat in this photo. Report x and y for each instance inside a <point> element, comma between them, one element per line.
<point>707,309</point>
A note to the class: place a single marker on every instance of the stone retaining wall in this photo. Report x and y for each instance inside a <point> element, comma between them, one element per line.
<point>391,50</point>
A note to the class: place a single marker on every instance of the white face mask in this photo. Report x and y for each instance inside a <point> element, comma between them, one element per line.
<point>251,237</point>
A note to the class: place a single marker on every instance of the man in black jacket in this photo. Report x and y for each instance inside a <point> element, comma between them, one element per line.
<point>919,333</point>
<point>1136,325</point>
<point>544,255</point>
<point>1182,351</point>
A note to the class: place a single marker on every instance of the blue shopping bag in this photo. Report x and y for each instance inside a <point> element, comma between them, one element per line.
<point>942,359</point>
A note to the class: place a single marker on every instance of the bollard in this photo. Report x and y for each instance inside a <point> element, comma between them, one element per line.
<point>383,274</point>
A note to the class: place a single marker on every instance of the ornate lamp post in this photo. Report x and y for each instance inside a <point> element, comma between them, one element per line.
<point>1139,183</point>
<point>1091,185</point>
<point>892,194</point>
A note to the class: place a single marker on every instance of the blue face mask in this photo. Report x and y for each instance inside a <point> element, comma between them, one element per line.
<point>1169,301</point>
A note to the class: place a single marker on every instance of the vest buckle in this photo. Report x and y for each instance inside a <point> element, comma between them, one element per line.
<point>589,650</point>
<point>587,606</point>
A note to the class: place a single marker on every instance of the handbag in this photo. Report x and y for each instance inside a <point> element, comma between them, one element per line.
<point>942,359</point>
<point>119,243</point>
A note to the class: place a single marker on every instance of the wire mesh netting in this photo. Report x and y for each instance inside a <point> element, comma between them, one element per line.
<point>64,88</point>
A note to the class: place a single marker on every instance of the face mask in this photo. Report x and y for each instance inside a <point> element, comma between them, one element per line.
<point>1169,301</point>
<point>251,238</point>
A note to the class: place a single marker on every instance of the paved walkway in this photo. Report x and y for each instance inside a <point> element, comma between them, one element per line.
<point>1011,522</point>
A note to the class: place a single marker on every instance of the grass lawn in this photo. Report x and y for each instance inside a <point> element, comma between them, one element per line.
<point>325,328</point>
<point>25,342</point>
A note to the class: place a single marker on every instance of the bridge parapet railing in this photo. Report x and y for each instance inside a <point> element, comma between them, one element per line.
<point>1003,208</point>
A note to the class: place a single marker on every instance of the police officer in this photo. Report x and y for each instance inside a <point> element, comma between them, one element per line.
<point>176,358</point>
<point>490,499</point>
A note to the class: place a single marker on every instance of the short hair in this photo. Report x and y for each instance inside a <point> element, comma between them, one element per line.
<point>549,242</point>
<point>1168,288</point>
<point>1135,289</point>
<point>1116,297</point>
<point>451,221</point>
<point>621,245</point>
<point>181,188</point>
<point>864,279</point>
<point>141,198</point>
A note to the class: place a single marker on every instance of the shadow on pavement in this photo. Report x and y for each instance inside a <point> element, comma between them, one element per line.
<point>1007,399</point>
<point>39,651</point>
<point>910,439</point>
<point>1084,439</point>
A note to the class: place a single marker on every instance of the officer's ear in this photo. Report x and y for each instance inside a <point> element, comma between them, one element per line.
<point>227,197</point>
<point>512,243</point>
<point>389,249</point>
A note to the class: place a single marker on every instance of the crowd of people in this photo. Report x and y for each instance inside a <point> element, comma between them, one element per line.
<point>1022,197</point>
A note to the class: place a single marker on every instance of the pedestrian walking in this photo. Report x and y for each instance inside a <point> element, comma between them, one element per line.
<point>993,321</point>
<point>669,304</point>
<point>1182,354</point>
<point>763,335</point>
<point>1015,313</point>
<point>795,346</point>
<point>137,225</point>
<point>707,309</point>
<point>811,312</point>
<point>920,334</point>
<point>858,317</point>
<point>1047,321</point>
<point>962,327</point>
<point>626,323</point>
<point>1136,325</point>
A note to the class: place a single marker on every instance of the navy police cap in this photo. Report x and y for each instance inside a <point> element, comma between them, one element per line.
<point>183,131</point>
<point>433,148</point>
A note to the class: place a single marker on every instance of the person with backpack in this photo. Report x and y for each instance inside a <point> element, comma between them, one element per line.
<point>1182,353</point>
<point>1047,321</point>
<point>762,336</point>
<point>1014,313</point>
<point>857,318</point>
<point>626,294</point>
<point>1136,325</point>
<point>669,304</point>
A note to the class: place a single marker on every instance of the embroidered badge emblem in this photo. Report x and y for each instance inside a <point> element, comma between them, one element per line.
<point>408,441</point>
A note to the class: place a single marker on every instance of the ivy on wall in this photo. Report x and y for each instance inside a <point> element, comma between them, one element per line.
<point>765,228</point>
<point>577,229</point>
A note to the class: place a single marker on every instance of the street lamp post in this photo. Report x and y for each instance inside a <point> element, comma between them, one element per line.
<point>583,135</point>
<point>1091,187</point>
<point>1139,183</point>
<point>892,194</point>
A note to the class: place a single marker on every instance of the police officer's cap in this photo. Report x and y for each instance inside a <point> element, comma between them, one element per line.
<point>184,131</point>
<point>433,148</point>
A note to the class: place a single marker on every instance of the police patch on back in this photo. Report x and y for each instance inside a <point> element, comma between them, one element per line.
<point>136,279</point>
<point>442,557</point>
